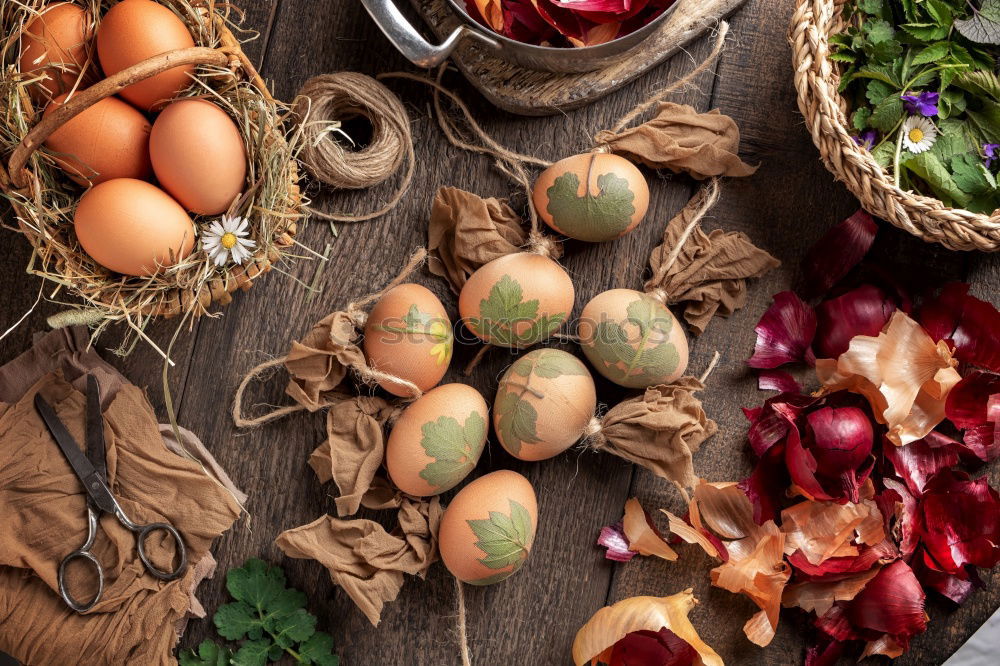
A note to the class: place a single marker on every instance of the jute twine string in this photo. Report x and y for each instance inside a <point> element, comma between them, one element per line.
<point>463,635</point>
<point>329,98</point>
<point>825,112</point>
<point>709,196</point>
<point>357,314</point>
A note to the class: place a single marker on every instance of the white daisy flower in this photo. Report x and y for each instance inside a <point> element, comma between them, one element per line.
<point>224,240</point>
<point>919,134</point>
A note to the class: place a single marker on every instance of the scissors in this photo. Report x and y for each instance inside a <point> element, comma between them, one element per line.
<point>92,470</point>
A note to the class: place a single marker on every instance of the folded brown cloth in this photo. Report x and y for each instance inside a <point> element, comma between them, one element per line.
<point>362,557</point>
<point>139,618</point>
<point>681,139</point>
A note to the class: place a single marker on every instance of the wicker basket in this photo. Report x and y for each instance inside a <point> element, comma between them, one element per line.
<point>223,68</point>
<point>825,111</point>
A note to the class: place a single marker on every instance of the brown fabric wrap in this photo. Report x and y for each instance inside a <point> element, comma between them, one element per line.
<point>354,448</point>
<point>709,273</point>
<point>660,430</point>
<point>467,231</point>
<point>362,557</point>
<point>44,511</point>
<point>318,363</point>
<point>681,139</point>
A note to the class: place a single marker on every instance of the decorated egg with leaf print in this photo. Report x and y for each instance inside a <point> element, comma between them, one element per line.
<point>488,528</point>
<point>437,440</point>
<point>408,335</point>
<point>517,300</point>
<point>544,402</point>
<point>632,339</point>
<point>592,197</point>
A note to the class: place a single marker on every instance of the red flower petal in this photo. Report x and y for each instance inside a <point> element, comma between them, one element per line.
<point>777,380</point>
<point>862,311</point>
<point>646,648</point>
<point>838,251</point>
<point>972,325</point>
<point>891,603</point>
<point>785,333</point>
<point>613,538</point>
<point>960,522</point>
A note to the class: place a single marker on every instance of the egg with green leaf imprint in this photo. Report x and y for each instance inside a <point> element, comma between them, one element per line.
<point>437,440</point>
<point>488,528</point>
<point>408,335</point>
<point>544,402</point>
<point>592,197</point>
<point>632,339</point>
<point>517,300</point>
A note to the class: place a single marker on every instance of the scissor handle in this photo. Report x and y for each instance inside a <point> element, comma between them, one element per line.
<point>64,590</point>
<point>142,532</point>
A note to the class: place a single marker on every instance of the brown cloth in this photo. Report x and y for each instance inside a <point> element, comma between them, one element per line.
<point>681,139</point>
<point>318,363</point>
<point>44,511</point>
<point>467,231</point>
<point>660,430</point>
<point>362,557</point>
<point>709,272</point>
<point>355,433</point>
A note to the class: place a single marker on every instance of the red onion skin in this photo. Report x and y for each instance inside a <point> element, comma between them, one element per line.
<point>784,333</point>
<point>834,457</point>
<point>649,648</point>
<point>838,251</point>
<point>862,311</point>
<point>970,325</point>
<point>959,522</point>
<point>891,603</point>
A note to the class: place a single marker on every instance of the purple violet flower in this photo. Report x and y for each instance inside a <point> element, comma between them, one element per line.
<point>867,139</point>
<point>924,103</point>
<point>992,152</point>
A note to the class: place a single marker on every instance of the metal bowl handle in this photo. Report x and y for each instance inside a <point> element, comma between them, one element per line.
<point>410,43</point>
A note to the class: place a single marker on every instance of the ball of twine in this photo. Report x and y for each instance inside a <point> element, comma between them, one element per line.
<point>330,98</point>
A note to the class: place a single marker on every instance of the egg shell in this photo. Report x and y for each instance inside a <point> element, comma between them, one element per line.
<point>592,197</point>
<point>544,402</point>
<point>632,339</point>
<point>106,141</point>
<point>198,155</point>
<point>437,440</point>
<point>408,335</point>
<point>135,30</point>
<point>130,226</point>
<point>504,302</point>
<point>488,528</point>
<point>56,42</point>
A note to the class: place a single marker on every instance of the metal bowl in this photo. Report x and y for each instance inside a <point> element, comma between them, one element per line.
<point>542,58</point>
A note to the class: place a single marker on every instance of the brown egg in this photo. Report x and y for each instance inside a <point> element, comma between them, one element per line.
<point>198,155</point>
<point>544,402</point>
<point>632,339</point>
<point>591,197</point>
<point>56,43</point>
<point>135,30</point>
<point>109,140</point>
<point>516,300</point>
<point>437,440</point>
<point>487,531</point>
<point>132,227</point>
<point>409,336</point>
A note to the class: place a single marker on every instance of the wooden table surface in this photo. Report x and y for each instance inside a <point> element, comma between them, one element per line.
<point>532,618</point>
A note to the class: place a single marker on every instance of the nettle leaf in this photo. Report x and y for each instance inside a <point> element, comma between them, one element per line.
<point>591,217</point>
<point>504,311</point>
<point>238,619</point>
<point>931,53</point>
<point>971,174</point>
<point>454,447</point>
<point>504,539</point>
<point>983,27</point>
<point>928,167</point>
<point>981,82</point>
<point>986,120</point>
<point>926,32</point>
<point>518,421</point>
<point>319,650</point>
<point>887,114</point>
<point>884,153</point>
<point>940,12</point>
<point>209,654</point>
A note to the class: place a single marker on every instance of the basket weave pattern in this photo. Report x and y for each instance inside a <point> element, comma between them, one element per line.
<point>816,81</point>
<point>110,293</point>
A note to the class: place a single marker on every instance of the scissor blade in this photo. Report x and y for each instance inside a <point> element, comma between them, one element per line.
<point>92,482</point>
<point>95,428</point>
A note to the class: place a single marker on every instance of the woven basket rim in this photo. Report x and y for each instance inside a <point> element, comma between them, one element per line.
<point>824,109</point>
<point>218,290</point>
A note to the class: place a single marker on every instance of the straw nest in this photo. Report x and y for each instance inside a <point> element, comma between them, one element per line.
<point>44,199</point>
<point>825,111</point>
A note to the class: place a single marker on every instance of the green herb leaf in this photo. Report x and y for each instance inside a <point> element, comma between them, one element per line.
<point>635,361</point>
<point>932,53</point>
<point>291,628</point>
<point>887,114</point>
<point>926,32</point>
<point>982,82</point>
<point>237,620</point>
<point>860,118</point>
<point>503,313</point>
<point>253,653</point>
<point>931,170</point>
<point>983,27</point>
<point>589,217</point>
<point>209,654</point>
<point>971,175</point>
<point>255,583</point>
<point>504,539</point>
<point>455,449</point>
<point>319,650</point>
<point>517,422</point>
